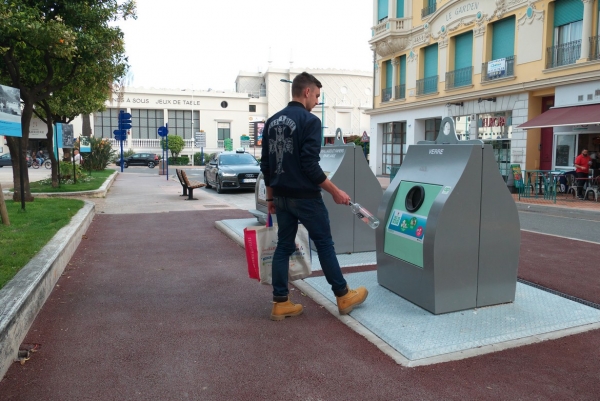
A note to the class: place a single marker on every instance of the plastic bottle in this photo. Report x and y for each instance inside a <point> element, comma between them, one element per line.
<point>364,215</point>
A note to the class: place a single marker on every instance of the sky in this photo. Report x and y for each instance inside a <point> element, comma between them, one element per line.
<point>204,44</point>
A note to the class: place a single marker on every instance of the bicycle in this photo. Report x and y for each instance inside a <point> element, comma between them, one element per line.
<point>46,163</point>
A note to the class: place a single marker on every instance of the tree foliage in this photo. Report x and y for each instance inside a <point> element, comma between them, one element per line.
<point>176,144</point>
<point>61,54</point>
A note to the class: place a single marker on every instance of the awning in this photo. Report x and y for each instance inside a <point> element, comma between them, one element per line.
<point>565,116</point>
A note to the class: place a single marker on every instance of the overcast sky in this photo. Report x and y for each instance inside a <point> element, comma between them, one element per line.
<point>205,43</point>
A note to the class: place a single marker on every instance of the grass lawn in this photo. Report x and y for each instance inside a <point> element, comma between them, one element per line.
<point>30,231</point>
<point>87,183</point>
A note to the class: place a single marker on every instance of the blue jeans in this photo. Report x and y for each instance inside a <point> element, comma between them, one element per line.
<point>313,214</point>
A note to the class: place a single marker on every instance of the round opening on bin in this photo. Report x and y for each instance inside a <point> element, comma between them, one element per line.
<point>414,198</point>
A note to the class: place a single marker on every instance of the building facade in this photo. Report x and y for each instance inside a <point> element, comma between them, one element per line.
<point>492,65</point>
<point>222,115</point>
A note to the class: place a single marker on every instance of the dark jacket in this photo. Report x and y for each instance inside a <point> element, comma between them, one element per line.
<point>290,153</point>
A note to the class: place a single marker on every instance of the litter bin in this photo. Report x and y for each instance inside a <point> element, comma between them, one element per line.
<point>450,236</point>
<point>162,167</point>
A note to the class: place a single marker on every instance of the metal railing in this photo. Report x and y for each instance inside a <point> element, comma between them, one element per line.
<point>428,10</point>
<point>495,69</point>
<point>392,25</point>
<point>460,77</point>
<point>386,94</point>
<point>145,143</point>
<point>595,48</point>
<point>427,85</point>
<point>400,92</point>
<point>220,143</point>
<point>563,54</point>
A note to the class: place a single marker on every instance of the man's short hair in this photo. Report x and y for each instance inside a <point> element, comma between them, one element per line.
<point>303,81</point>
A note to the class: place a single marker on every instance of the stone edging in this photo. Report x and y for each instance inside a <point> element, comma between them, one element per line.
<point>96,193</point>
<point>23,296</point>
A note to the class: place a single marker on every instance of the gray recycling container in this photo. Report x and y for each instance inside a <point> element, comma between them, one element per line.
<point>449,236</point>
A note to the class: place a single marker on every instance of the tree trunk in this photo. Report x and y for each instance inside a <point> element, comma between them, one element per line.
<point>3,212</point>
<point>13,146</point>
<point>86,126</point>
<point>53,159</point>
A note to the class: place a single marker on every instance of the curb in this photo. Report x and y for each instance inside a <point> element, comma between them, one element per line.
<point>24,296</point>
<point>96,193</point>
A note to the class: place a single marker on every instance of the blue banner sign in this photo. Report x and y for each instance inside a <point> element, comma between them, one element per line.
<point>10,111</point>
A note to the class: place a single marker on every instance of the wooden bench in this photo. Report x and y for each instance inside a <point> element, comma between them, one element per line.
<point>189,185</point>
<point>185,191</point>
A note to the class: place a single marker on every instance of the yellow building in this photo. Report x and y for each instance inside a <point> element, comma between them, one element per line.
<point>492,65</point>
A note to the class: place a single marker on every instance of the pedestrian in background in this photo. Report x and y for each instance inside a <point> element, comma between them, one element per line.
<point>582,170</point>
<point>294,179</point>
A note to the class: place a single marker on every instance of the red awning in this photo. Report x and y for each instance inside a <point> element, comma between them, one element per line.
<point>565,116</point>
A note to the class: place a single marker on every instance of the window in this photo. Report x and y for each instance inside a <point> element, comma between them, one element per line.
<point>252,108</point>
<point>180,123</point>
<point>145,123</point>
<point>401,89</point>
<point>568,25</point>
<point>430,71</point>
<point>432,128</point>
<point>382,10</point>
<point>503,38</point>
<point>428,8</point>
<point>399,8</point>
<point>223,131</point>
<point>386,94</point>
<point>463,57</point>
<point>105,122</point>
<point>394,145</point>
<point>224,104</point>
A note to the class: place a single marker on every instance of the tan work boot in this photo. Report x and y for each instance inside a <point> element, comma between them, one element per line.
<point>281,310</point>
<point>353,298</point>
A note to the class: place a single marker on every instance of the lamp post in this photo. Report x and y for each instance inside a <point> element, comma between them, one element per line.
<point>322,103</point>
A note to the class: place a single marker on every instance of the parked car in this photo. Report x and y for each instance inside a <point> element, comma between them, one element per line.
<point>5,160</point>
<point>231,170</point>
<point>139,159</point>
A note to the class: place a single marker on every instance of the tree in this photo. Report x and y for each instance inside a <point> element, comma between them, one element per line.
<point>176,144</point>
<point>45,46</point>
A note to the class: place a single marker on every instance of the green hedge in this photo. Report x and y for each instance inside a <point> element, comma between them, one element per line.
<point>179,161</point>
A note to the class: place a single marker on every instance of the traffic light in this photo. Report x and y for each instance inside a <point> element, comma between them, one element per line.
<point>124,120</point>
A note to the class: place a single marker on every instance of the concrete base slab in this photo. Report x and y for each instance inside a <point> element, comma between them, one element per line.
<point>421,338</point>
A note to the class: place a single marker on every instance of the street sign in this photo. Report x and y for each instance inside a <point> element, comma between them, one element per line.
<point>200,139</point>
<point>245,144</point>
<point>162,131</point>
<point>120,134</point>
<point>244,138</point>
<point>124,120</point>
<point>365,137</point>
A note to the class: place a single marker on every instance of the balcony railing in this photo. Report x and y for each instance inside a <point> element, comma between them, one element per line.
<point>386,94</point>
<point>220,143</point>
<point>460,77</point>
<point>427,85</point>
<point>595,48</point>
<point>563,54</point>
<point>400,92</point>
<point>392,25</point>
<point>496,69</point>
<point>145,143</point>
<point>428,10</point>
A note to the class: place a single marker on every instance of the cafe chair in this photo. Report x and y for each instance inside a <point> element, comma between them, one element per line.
<point>593,188</point>
<point>571,184</point>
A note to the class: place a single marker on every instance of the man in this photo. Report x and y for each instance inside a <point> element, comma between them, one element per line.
<point>77,156</point>
<point>294,179</point>
<point>582,170</point>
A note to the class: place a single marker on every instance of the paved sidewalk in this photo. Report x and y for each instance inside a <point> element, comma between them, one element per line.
<point>147,310</point>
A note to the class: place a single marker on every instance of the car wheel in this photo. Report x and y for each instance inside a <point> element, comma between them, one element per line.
<point>208,186</point>
<point>151,164</point>
<point>219,186</point>
<point>125,164</point>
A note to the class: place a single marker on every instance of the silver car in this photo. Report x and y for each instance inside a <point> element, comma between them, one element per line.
<point>231,170</point>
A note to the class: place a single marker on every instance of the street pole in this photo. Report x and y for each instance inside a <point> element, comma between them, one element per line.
<point>323,120</point>
<point>192,125</point>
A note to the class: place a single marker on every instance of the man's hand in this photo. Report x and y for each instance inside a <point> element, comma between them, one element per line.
<point>339,196</point>
<point>271,207</point>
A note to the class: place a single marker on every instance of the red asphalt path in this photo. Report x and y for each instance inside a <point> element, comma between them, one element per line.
<point>173,316</point>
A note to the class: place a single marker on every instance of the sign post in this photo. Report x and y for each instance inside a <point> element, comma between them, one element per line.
<point>245,141</point>
<point>10,125</point>
<point>163,132</point>
<point>200,142</point>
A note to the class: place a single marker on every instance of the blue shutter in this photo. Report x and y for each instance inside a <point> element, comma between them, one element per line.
<point>431,61</point>
<point>463,50</point>
<point>402,70</point>
<point>567,11</point>
<point>382,9</point>
<point>389,71</point>
<point>503,38</point>
<point>399,8</point>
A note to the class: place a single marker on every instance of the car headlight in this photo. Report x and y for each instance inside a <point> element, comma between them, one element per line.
<point>228,174</point>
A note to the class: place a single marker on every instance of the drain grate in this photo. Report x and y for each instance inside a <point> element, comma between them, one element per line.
<point>560,294</point>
